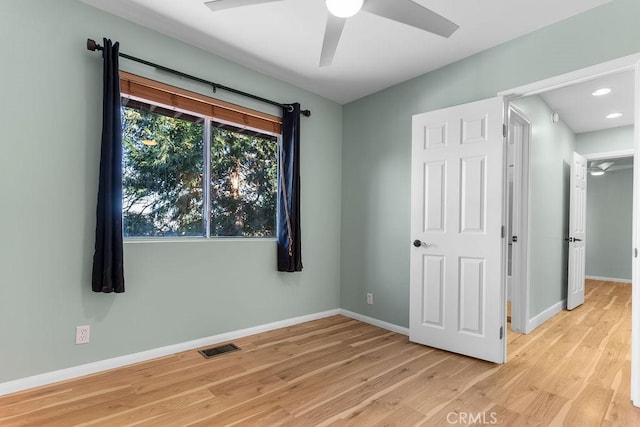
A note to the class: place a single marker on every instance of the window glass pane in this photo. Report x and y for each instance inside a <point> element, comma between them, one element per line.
<point>162,172</point>
<point>244,170</point>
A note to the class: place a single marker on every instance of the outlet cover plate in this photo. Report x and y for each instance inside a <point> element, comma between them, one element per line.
<point>82,334</point>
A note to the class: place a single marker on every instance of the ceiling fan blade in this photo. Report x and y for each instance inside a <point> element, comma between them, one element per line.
<point>605,165</point>
<point>332,35</point>
<point>411,13</point>
<point>217,5</point>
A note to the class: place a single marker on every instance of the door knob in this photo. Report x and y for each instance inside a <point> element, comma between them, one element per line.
<point>421,244</point>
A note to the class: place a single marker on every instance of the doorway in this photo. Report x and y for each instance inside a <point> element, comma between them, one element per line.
<point>565,121</point>
<point>549,195</point>
<point>609,216</point>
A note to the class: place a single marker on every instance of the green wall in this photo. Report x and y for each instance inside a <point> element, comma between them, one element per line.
<point>609,224</point>
<point>551,153</point>
<point>377,142</point>
<point>603,141</point>
<point>176,291</point>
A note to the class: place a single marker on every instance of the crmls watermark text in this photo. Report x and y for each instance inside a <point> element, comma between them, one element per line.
<point>466,418</point>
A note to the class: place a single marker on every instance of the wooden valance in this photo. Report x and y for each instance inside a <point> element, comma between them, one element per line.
<point>192,102</point>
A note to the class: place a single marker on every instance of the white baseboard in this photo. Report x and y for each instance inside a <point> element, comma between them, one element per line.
<point>375,322</point>
<point>608,279</point>
<point>116,362</point>
<point>539,319</point>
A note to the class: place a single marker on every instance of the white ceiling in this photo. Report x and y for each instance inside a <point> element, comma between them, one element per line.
<point>583,112</point>
<point>284,39</point>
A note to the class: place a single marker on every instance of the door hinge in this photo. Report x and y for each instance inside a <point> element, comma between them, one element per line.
<point>504,130</point>
<point>502,232</point>
<point>635,252</point>
<point>501,331</point>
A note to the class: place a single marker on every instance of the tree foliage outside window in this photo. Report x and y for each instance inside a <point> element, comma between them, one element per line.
<point>164,177</point>
<point>244,173</point>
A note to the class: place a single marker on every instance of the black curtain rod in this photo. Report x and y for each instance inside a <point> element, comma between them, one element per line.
<point>93,46</point>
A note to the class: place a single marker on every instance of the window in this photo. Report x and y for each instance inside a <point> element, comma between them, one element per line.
<point>187,174</point>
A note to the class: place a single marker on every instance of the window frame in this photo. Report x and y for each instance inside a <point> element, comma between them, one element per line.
<point>211,110</point>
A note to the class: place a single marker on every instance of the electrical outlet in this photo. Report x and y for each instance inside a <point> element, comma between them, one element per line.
<point>82,334</point>
<point>369,298</point>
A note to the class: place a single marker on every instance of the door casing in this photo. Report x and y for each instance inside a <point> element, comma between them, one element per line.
<point>518,122</point>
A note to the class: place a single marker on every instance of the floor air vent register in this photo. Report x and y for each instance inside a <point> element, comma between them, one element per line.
<point>218,351</point>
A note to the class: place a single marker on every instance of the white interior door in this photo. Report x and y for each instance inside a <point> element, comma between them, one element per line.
<point>457,171</point>
<point>577,225</point>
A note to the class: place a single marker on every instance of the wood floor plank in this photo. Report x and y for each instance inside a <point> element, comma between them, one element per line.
<point>572,370</point>
<point>335,408</point>
<point>291,392</point>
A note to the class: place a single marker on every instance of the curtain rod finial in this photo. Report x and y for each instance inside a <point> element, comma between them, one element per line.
<point>92,45</point>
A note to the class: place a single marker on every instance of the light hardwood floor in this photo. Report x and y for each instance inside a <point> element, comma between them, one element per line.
<point>573,370</point>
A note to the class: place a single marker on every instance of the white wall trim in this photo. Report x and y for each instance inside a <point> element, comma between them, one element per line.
<point>375,322</point>
<point>116,362</point>
<point>539,319</point>
<point>635,292</point>
<point>610,154</point>
<point>608,279</point>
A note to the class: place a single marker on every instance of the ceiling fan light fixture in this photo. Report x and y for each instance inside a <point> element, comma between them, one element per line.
<point>597,173</point>
<point>344,8</point>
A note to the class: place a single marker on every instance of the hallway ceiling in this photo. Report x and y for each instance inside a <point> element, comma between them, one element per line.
<point>583,112</point>
<point>283,39</point>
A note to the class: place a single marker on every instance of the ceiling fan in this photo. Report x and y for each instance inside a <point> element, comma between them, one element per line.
<point>404,11</point>
<point>597,169</point>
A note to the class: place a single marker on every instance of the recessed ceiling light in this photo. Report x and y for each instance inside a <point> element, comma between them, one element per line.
<point>601,92</point>
<point>614,115</point>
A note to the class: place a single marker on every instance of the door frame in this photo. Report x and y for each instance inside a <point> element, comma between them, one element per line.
<point>627,63</point>
<point>520,215</point>
<point>609,155</point>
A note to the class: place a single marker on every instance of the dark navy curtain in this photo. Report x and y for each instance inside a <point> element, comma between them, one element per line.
<point>289,246</point>
<point>108,264</point>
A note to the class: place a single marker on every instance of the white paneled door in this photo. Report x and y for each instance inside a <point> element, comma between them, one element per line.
<point>577,235</point>
<point>457,168</point>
